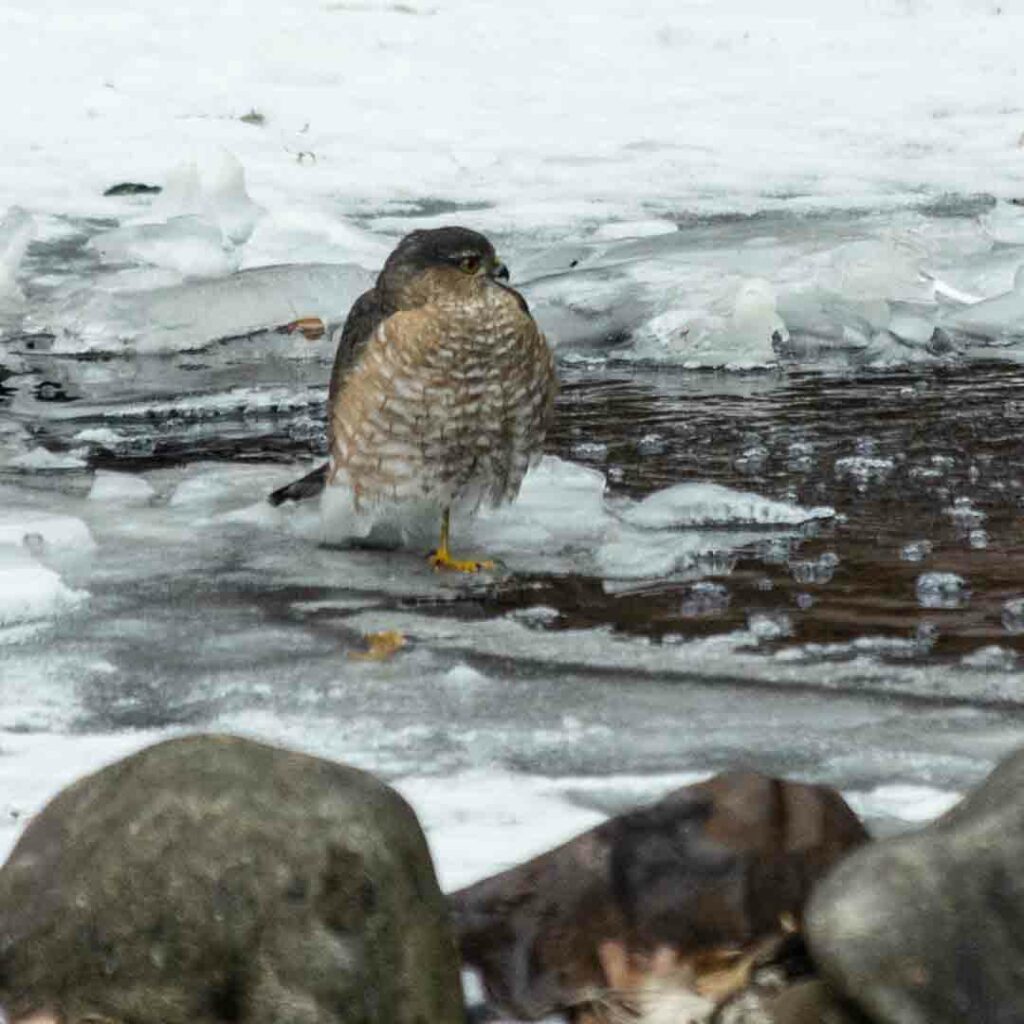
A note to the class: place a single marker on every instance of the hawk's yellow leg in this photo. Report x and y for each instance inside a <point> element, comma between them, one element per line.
<point>442,557</point>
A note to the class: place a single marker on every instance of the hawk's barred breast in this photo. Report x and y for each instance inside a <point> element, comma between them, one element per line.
<point>449,403</point>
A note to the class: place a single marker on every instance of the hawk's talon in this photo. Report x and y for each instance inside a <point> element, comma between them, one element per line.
<point>442,560</point>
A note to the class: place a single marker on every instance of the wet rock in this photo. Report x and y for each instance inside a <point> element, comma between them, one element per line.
<point>214,879</point>
<point>690,887</point>
<point>929,928</point>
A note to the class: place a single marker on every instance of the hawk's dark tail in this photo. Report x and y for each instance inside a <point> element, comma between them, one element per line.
<point>298,490</point>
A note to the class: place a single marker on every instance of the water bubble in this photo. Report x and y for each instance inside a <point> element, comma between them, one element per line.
<point>978,539</point>
<point>770,625</point>
<point>916,551</point>
<point>800,457</point>
<point>1013,615</point>
<point>703,599</point>
<point>819,570</point>
<point>862,471</point>
<point>616,474</point>
<point>865,446</point>
<point>942,590</point>
<point>804,600</point>
<point>590,450</point>
<point>751,460</point>
<point>651,444</point>
<point>964,515</point>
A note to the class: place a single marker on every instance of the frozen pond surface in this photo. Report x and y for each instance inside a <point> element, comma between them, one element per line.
<point>825,578</point>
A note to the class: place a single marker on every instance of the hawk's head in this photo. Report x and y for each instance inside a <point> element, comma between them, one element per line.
<point>451,249</point>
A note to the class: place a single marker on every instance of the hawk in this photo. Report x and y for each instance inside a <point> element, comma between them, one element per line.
<point>442,389</point>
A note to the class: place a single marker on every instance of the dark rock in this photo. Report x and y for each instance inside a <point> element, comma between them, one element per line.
<point>132,188</point>
<point>810,1002</point>
<point>214,879</point>
<point>930,927</point>
<point>709,870</point>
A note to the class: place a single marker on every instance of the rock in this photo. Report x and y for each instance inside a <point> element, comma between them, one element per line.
<point>810,1002</point>
<point>132,188</point>
<point>214,879</point>
<point>929,928</point>
<point>686,889</point>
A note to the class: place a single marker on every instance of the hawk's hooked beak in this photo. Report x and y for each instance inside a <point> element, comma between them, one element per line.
<point>499,272</point>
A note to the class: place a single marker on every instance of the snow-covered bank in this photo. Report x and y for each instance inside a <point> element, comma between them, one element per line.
<point>545,114</point>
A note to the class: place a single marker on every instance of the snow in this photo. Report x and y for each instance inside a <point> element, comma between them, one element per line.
<point>61,534</point>
<point>16,231</point>
<point>42,458</point>
<point>28,590</point>
<point>120,489</point>
<point>848,123</point>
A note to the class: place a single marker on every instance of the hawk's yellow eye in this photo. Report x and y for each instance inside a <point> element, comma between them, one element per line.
<point>469,264</point>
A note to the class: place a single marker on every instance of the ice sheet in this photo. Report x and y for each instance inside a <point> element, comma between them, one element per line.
<point>28,590</point>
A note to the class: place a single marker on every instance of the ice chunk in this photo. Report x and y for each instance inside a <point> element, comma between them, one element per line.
<point>28,590</point>
<point>874,269</point>
<point>120,488</point>
<point>635,229</point>
<point>1013,615</point>
<point>635,554</point>
<point>16,231</point>
<point>751,336</point>
<point>561,505</point>
<point>913,323</point>
<point>209,485</point>
<point>188,245</point>
<point>102,437</point>
<point>992,656</point>
<point>195,226</point>
<point>211,185</point>
<point>942,590</point>
<point>57,533</point>
<point>998,319</point>
<point>189,316</point>
<point>1005,223</point>
<point>43,459</point>
<point>704,504</point>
